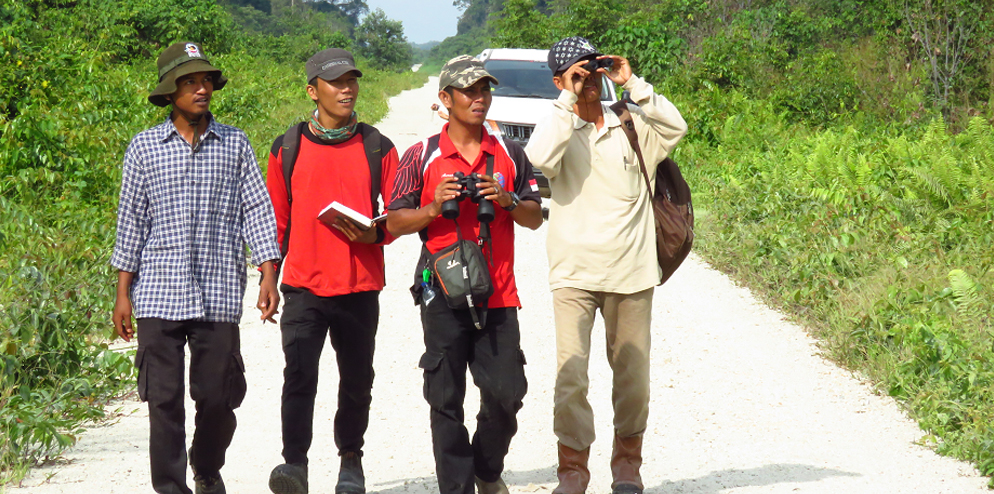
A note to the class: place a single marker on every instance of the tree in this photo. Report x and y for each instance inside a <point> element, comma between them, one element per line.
<point>508,26</point>
<point>944,30</point>
<point>474,17</point>
<point>260,5</point>
<point>351,9</point>
<point>589,18</point>
<point>382,40</point>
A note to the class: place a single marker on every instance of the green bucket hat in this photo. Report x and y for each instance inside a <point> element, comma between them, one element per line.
<point>177,61</point>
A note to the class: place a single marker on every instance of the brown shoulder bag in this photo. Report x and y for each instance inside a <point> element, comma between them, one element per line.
<point>671,204</point>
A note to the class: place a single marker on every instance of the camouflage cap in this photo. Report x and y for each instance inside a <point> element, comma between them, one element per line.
<point>462,72</point>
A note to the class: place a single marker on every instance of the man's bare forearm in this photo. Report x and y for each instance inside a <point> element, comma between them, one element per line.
<point>124,279</point>
<point>528,214</point>
<point>268,269</point>
<point>405,221</point>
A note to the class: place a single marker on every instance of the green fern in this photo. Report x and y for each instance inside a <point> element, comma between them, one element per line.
<point>982,144</point>
<point>864,171</point>
<point>822,159</point>
<point>966,294</point>
<point>927,182</point>
<point>844,168</point>
<point>947,171</point>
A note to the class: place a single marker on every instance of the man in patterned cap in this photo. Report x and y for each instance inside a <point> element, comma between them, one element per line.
<point>597,182</point>
<point>425,180</point>
<point>192,197</point>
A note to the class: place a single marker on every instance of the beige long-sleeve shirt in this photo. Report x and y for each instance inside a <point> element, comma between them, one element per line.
<point>601,231</point>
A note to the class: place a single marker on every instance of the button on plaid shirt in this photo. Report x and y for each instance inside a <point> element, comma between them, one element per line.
<point>184,219</point>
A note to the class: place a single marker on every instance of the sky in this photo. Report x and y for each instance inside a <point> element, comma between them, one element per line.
<point>424,20</point>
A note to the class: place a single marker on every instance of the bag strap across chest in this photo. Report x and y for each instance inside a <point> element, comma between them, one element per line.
<point>372,143</point>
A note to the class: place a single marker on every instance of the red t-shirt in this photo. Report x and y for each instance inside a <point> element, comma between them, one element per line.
<point>423,167</point>
<point>321,259</point>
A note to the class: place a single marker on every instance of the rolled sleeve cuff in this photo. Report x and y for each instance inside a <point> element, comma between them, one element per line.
<point>269,251</point>
<point>566,100</point>
<point>639,89</point>
<point>124,263</point>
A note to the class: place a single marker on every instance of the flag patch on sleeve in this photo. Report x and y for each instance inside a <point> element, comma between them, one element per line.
<point>534,185</point>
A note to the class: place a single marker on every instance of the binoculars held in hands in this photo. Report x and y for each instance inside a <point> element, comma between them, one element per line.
<point>468,189</point>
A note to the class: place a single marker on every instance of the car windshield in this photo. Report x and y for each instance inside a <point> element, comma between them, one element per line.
<point>526,79</point>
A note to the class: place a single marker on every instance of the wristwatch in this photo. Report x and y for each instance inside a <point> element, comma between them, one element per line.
<point>514,202</point>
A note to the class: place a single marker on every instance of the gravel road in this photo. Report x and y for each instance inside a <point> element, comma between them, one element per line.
<point>741,400</point>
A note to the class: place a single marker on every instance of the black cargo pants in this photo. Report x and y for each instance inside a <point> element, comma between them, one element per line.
<point>494,357</point>
<point>217,386</point>
<point>349,321</point>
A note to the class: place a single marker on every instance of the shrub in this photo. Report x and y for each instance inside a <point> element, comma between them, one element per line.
<point>72,95</point>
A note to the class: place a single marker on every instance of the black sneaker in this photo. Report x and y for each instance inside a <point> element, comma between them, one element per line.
<point>288,478</point>
<point>208,484</point>
<point>350,477</point>
<point>496,487</point>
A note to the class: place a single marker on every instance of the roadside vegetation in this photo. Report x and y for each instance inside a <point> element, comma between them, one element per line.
<point>841,156</point>
<point>73,81</point>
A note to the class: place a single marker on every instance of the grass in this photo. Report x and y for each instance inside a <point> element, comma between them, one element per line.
<point>57,371</point>
<point>877,239</point>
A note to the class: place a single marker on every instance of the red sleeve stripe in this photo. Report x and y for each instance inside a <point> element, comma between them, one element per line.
<point>409,176</point>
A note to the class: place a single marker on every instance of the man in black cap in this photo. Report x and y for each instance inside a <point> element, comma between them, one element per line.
<point>192,197</point>
<point>596,181</point>
<point>333,271</point>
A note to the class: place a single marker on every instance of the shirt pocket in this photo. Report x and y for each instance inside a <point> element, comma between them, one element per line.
<point>223,197</point>
<point>623,166</point>
<point>631,181</point>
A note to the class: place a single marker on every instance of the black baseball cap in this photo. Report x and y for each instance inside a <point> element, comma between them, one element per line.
<point>330,64</point>
<point>568,51</point>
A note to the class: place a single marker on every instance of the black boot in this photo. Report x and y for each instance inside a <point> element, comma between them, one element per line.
<point>208,484</point>
<point>350,477</point>
<point>288,478</point>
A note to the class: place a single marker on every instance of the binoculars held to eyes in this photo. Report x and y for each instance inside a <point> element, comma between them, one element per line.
<point>598,63</point>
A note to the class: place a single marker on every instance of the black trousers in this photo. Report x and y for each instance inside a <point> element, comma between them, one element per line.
<point>217,386</point>
<point>494,357</point>
<point>350,321</point>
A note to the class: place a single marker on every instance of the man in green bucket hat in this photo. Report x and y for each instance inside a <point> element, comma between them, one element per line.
<point>192,198</point>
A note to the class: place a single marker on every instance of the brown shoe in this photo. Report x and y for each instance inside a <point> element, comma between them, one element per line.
<point>573,474</point>
<point>626,459</point>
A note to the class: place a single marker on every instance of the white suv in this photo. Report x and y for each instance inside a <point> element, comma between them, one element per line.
<point>525,94</point>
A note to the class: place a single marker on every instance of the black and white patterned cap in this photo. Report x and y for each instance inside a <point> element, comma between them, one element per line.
<point>568,51</point>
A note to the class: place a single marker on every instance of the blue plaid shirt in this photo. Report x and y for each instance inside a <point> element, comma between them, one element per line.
<point>184,219</point>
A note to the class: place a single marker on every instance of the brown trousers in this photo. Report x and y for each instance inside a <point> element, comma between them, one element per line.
<point>626,320</point>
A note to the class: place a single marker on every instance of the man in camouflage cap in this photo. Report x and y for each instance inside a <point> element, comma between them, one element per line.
<point>425,180</point>
<point>192,198</point>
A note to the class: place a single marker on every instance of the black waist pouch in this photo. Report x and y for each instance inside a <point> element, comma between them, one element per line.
<point>462,275</point>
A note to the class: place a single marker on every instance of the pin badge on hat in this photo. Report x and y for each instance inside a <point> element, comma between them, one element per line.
<point>192,51</point>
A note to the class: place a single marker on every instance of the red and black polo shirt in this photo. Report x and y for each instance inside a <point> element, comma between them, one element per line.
<point>422,169</point>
